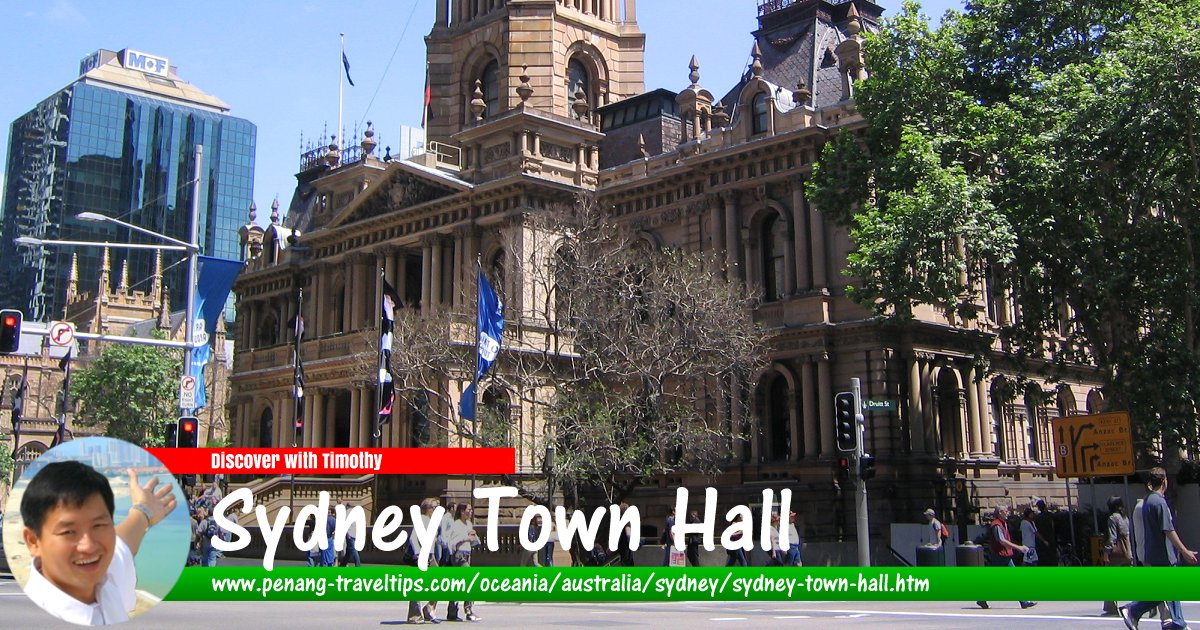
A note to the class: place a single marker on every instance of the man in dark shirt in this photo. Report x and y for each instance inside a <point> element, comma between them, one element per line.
<point>1159,546</point>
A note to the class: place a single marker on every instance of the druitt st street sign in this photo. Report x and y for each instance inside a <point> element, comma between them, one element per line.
<point>1093,446</point>
<point>879,405</point>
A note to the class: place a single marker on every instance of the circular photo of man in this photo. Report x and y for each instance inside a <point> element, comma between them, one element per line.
<point>92,533</point>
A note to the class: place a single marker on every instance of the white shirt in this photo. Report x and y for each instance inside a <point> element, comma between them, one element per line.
<point>458,536</point>
<point>793,535</point>
<point>115,598</point>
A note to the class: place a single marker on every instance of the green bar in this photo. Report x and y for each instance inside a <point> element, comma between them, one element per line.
<point>656,584</point>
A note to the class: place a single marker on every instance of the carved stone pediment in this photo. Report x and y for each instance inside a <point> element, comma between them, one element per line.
<point>400,190</point>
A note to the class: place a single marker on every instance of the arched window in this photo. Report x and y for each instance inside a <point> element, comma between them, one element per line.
<point>777,418</point>
<point>266,429</point>
<point>564,268</point>
<point>774,239</point>
<point>491,88</point>
<point>578,77</point>
<point>495,425</point>
<point>495,272</point>
<point>761,122</point>
<point>949,412</point>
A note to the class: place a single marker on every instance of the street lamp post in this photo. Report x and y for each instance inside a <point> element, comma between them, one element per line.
<point>191,246</point>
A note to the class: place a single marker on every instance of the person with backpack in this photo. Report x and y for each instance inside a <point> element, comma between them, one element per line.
<point>936,533</point>
<point>1000,547</point>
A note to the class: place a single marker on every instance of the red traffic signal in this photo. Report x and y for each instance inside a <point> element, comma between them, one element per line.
<point>843,470</point>
<point>187,432</point>
<point>10,330</point>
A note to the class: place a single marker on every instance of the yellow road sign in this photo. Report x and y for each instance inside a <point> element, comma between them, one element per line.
<point>1093,446</point>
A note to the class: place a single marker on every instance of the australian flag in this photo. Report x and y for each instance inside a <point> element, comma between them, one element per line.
<point>490,322</point>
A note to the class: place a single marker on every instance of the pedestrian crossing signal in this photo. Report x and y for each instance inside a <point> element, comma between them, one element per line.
<point>866,467</point>
<point>843,471</point>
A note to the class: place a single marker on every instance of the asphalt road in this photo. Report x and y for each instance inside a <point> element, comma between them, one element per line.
<point>18,612</point>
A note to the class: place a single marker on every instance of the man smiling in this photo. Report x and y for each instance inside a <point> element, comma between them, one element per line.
<point>83,569</point>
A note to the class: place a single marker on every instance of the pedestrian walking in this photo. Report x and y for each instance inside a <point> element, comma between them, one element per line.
<point>693,541</point>
<point>1029,533</point>
<point>462,539</point>
<point>668,538</point>
<point>795,544</point>
<point>1047,542</point>
<point>625,540</point>
<point>777,551</point>
<point>736,557</point>
<point>935,533</point>
<point>424,611</point>
<point>1001,548</point>
<point>1157,545</point>
<point>1117,552</point>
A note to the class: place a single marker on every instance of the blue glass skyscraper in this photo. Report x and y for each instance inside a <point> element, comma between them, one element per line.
<point>119,140</point>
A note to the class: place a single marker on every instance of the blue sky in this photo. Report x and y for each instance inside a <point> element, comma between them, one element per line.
<point>277,63</point>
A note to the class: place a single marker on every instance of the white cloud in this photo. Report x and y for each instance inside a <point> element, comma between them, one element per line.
<point>65,11</point>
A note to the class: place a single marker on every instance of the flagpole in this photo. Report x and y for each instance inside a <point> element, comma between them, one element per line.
<point>378,434</point>
<point>297,386</point>
<point>341,63</point>
<point>478,338</point>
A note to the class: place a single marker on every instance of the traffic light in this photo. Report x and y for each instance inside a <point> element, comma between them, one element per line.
<point>866,467</point>
<point>844,424</point>
<point>10,330</point>
<point>843,469</point>
<point>171,436</point>
<point>187,432</point>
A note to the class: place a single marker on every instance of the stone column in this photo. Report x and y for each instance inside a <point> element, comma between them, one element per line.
<point>461,264</point>
<point>329,420</point>
<point>716,231</point>
<point>916,424</point>
<point>825,399</point>
<point>929,413</point>
<point>348,295</point>
<point>816,236</point>
<point>799,270</point>
<point>974,431</point>
<point>811,411</point>
<point>426,278</point>
<point>731,235</point>
<point>794,422</point>
<point>367,411</point>
<point>985,419</point>
<point>435,276</point>
<point>355,419</point>
<point>442,13</point>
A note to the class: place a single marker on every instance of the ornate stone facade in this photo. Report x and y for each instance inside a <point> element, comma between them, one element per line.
<point>725,178</point>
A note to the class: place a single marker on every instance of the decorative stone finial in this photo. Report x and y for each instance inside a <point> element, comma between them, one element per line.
<point>720,117</point>
<point>642,146</point>
<point>694,76</point>
<point>524,90</point>
<point>334,155</point>
<point>802,95</point>
<point>854,26</point>
<point>478,106</point>
<point>756,68</point>
<point>368,143</point>
<point>581,105</point>
<point>253,212</point>
<point>123,279</point>
<point>275,212</point>
<point>387,154</point>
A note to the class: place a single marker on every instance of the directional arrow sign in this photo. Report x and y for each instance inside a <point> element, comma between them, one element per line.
<point>1093,446</point>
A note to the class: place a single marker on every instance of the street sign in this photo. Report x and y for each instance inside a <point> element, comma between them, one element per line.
<point>1093,446</point>
<point>187,392</point>
<point>62,333</point>
<point>879,405</point>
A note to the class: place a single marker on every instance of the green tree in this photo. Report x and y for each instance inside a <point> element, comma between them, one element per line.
<point>130,392</point>
<point>1052,145</point>
<point>6,460</point>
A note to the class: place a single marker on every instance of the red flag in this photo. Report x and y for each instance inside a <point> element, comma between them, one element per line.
<point>425,115</point>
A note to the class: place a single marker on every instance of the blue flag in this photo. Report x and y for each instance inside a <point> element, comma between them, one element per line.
<point>214,280</point>
<point>490,322</point>
<point>346,63</point>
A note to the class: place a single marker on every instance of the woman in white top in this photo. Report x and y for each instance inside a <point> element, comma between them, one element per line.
<point>461,538</point>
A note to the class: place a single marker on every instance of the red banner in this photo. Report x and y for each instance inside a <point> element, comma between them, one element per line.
<point>338,461</point>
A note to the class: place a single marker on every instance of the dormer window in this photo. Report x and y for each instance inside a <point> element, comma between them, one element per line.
<point>760,112</point>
